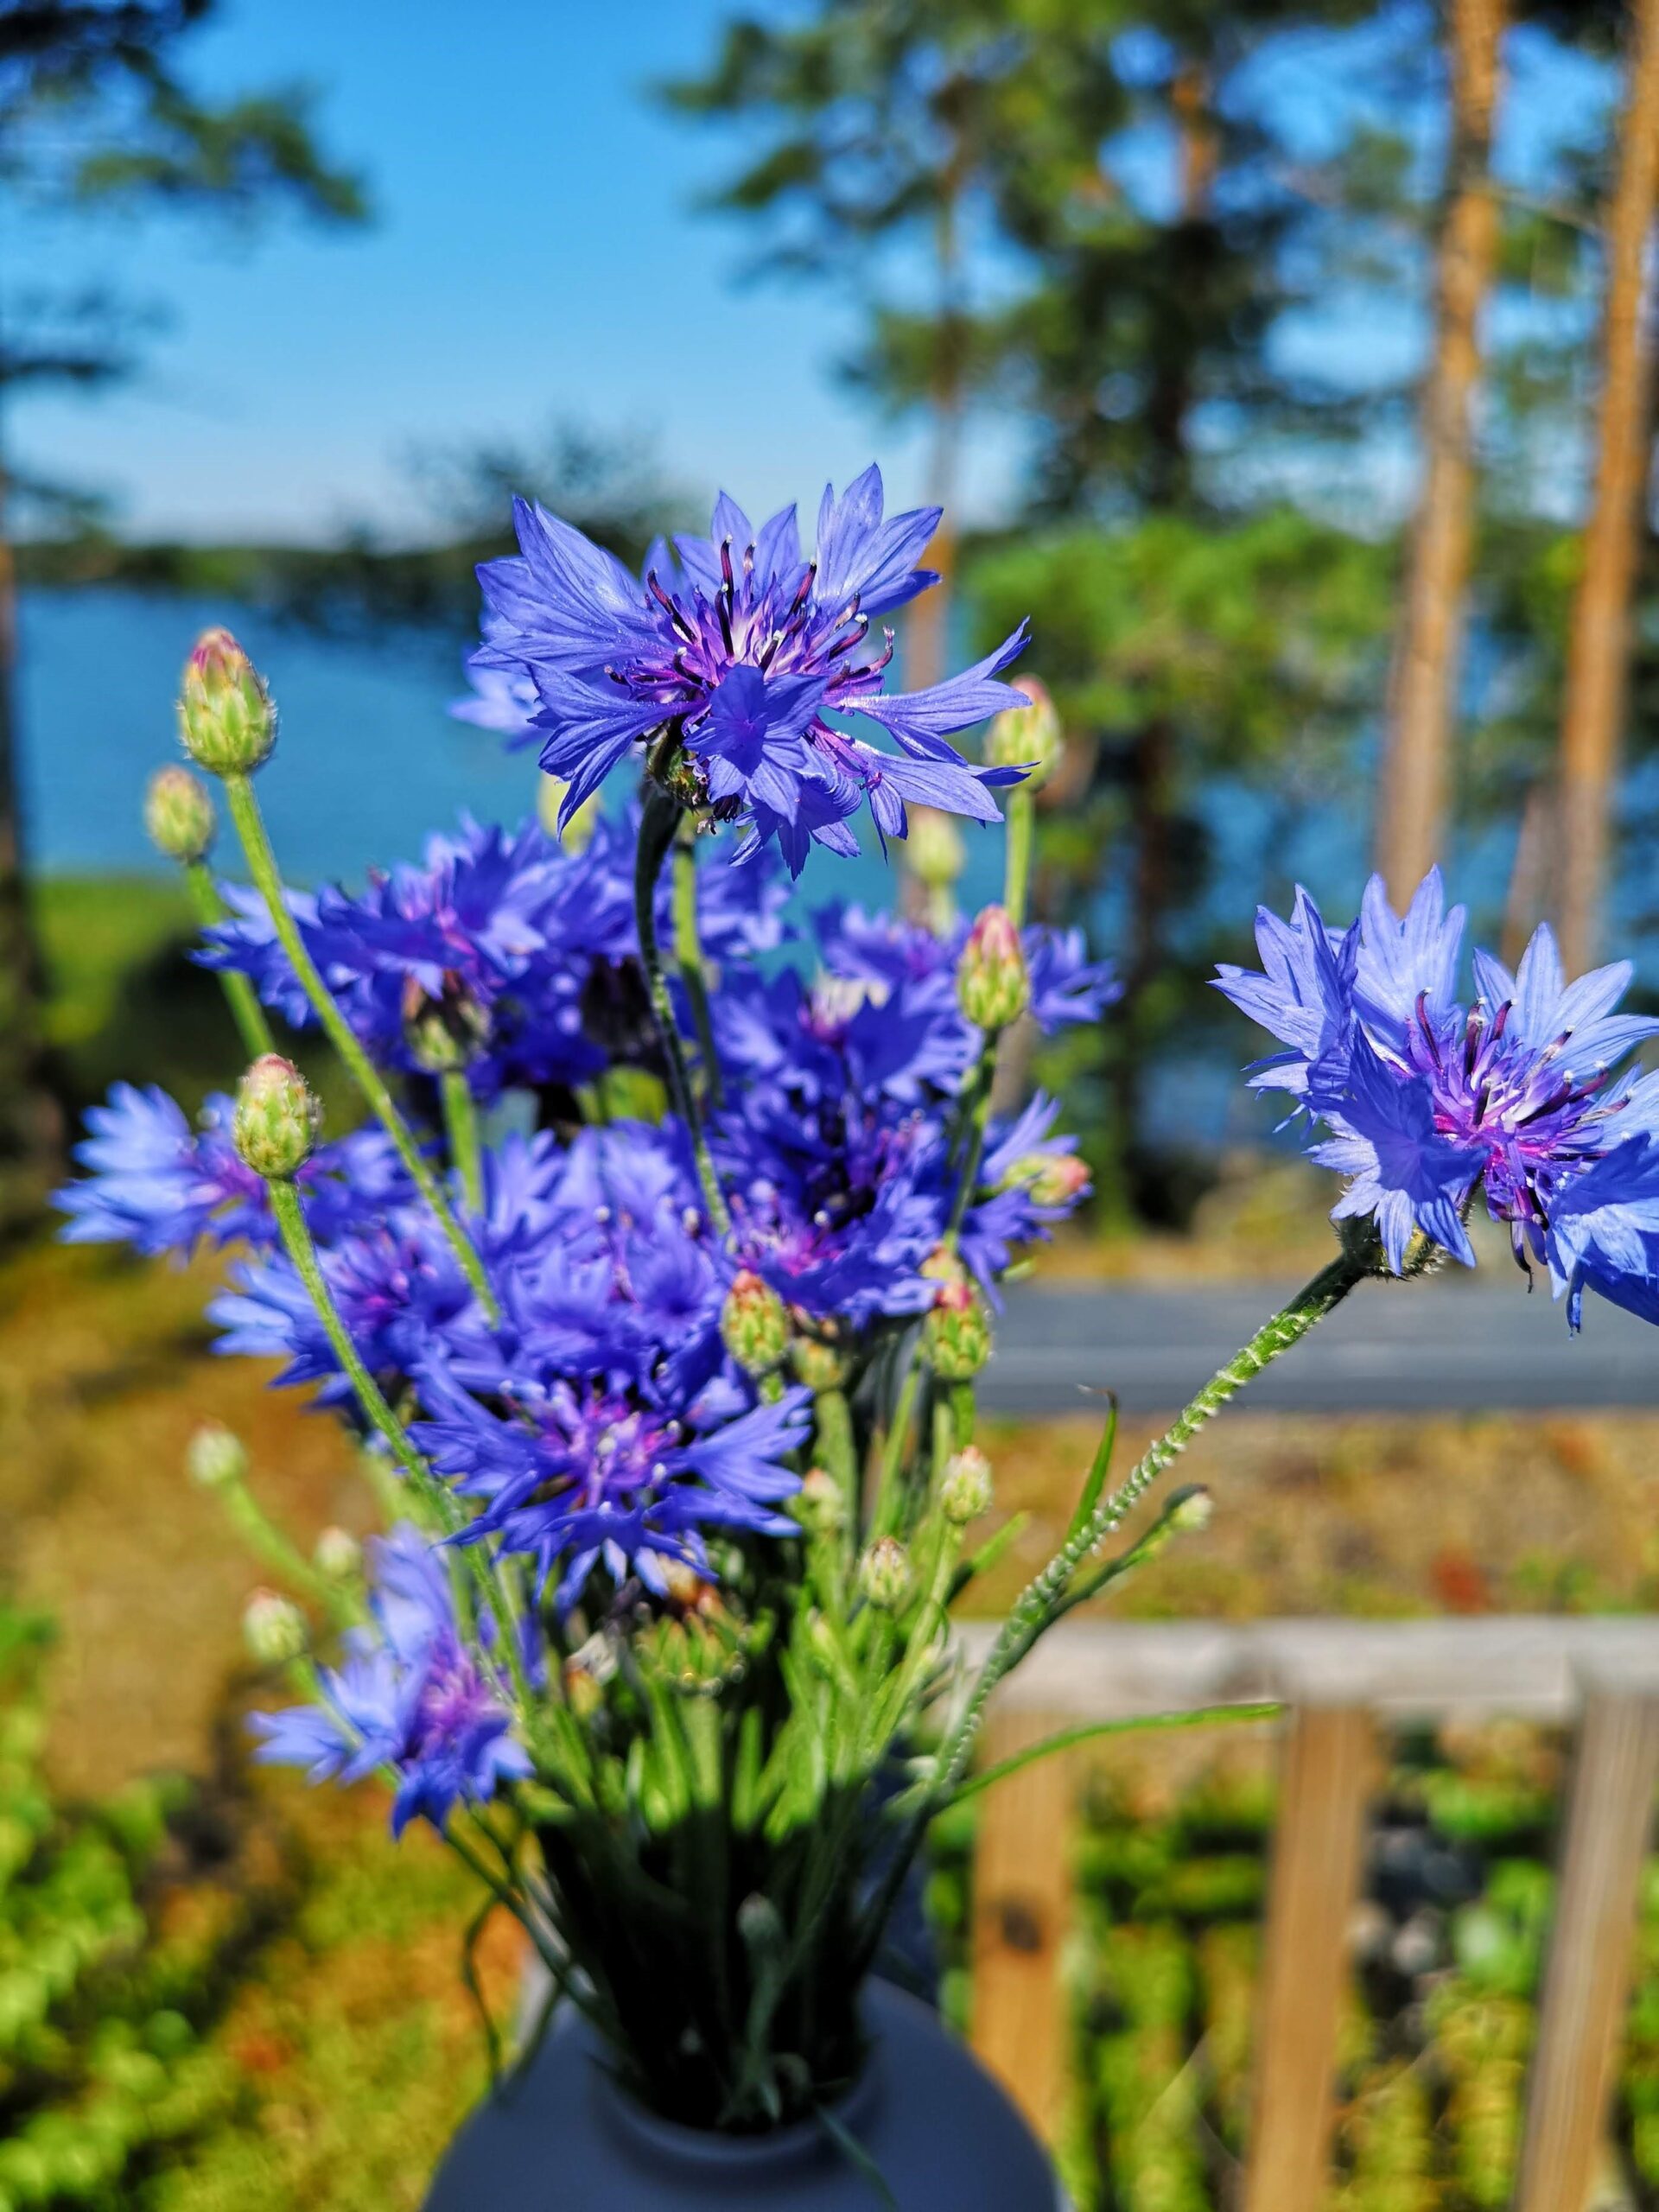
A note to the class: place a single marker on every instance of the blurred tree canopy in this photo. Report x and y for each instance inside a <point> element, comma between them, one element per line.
<point>1186,255</point>
<point>97,113</point>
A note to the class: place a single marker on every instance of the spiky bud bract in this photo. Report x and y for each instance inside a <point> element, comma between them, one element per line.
<point>965,1486</point>
<point>273,1628</point>
<point>1027,737</point>
<point>276,1119</point>
<point>216,1456</point>
<point>754,1324</point>
<point>226,721</point>
<point>992,987</point>
<point>956,1334</point>
<point>885,1574</point>
<point>179,815</point>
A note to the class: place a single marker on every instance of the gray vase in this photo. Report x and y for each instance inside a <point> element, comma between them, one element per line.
<point>926,2115</point>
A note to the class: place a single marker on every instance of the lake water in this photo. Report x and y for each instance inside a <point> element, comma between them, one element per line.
<point>368,759</point>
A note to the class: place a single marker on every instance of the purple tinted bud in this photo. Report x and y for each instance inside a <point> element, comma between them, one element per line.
<point>992,987</point>
<point>226,718</point>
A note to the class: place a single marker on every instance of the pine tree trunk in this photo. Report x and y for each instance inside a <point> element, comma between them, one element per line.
<point>1599,645</point>
<point>1413,803</point>
<point>30,1125</point>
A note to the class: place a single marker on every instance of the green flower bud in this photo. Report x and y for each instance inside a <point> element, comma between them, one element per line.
<point>992,987</point>
<point>446,1033</point>
<point>885,1575</point>
<point>820,1504</point>
<point>956,1334</point>
<point>1191,1509</point>
<point>276,1119</point>
<point>216,1456</point>
<point>934,849</point>
<point>754,1324</point>
<point>1053,1178</point>
<point>1027,737</point>
<point>965,1486</point>
<point>273,1628</point>
<point>821,1366</point>
<point>338,1556</point>
<point>179,815</point>
<point>226,718</point>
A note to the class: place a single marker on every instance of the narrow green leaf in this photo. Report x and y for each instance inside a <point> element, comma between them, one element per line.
<point>1063,1739</point>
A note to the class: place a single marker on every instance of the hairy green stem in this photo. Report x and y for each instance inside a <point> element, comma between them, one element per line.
<point>301,1248</point>
<point>460,1128</point>
<point>657,831</point>
<point>688,955</point>
<point>262,866</point>
<point>251,1024</point>
<point>1040,1602</point>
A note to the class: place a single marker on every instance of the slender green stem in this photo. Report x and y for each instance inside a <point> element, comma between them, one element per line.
<point>302,1249</point>
<point>1065,1739</point>
<point>1022,829</point>
<point>240,996</point>
<point>885,1518</point>
<point>657,829</point>
<point>296,1237</point>
<point>1037,1607</point>
<point>262,866</point>
<point>460,1128</point>
<point>261,1534</point>
<point>688,955</point>
<point>977,1123</point>
<point>1034,1609</point>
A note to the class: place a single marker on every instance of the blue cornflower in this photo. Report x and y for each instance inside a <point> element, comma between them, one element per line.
<point>582,1453</point>
<point>1426,1101</point>
<point>743,650</point>
<point>410,1695</point>
<point>156,1184</point>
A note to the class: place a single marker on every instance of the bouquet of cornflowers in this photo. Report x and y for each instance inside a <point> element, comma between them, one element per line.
<point>657,1279</point>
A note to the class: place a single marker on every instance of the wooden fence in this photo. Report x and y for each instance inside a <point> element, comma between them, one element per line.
<point>1338,1679</point>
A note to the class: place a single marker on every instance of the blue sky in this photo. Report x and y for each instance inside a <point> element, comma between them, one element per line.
<point>537,254</point>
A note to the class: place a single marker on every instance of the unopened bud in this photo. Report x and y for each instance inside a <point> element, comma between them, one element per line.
<point>273,1628</point>
<point>179,815</point>
<point>956,1334</point>
<point>885,1575</point>
<point>753,1325</point>
<point>446,1033</point>
<point>584,1692</point>
<point>276,1119</point>
<point>820,1503</point>
<point>1027,737</point>
<point>1191,1509</point>
<point>1053,1178</point>
<point>226,718</point>
<point>821,1366</point>
<point>965,1486</point>
<point>215,1456</point>
<point>934,849</point>
<point>992,987</point>
<point>338,1556</point>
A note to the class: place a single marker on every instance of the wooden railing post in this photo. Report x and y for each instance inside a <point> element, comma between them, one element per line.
<point>1587,1984</point>
<point>1022,1908</point>
<point>1316,1858</point>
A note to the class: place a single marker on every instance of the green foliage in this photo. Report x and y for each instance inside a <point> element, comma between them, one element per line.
<point>102,2064</point>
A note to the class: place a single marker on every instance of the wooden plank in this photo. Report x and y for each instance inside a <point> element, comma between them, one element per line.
<point>1022,1909</point>
<point>1525,1668</point>
<point>1327,1776</point>
<point>1587,1984</point>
